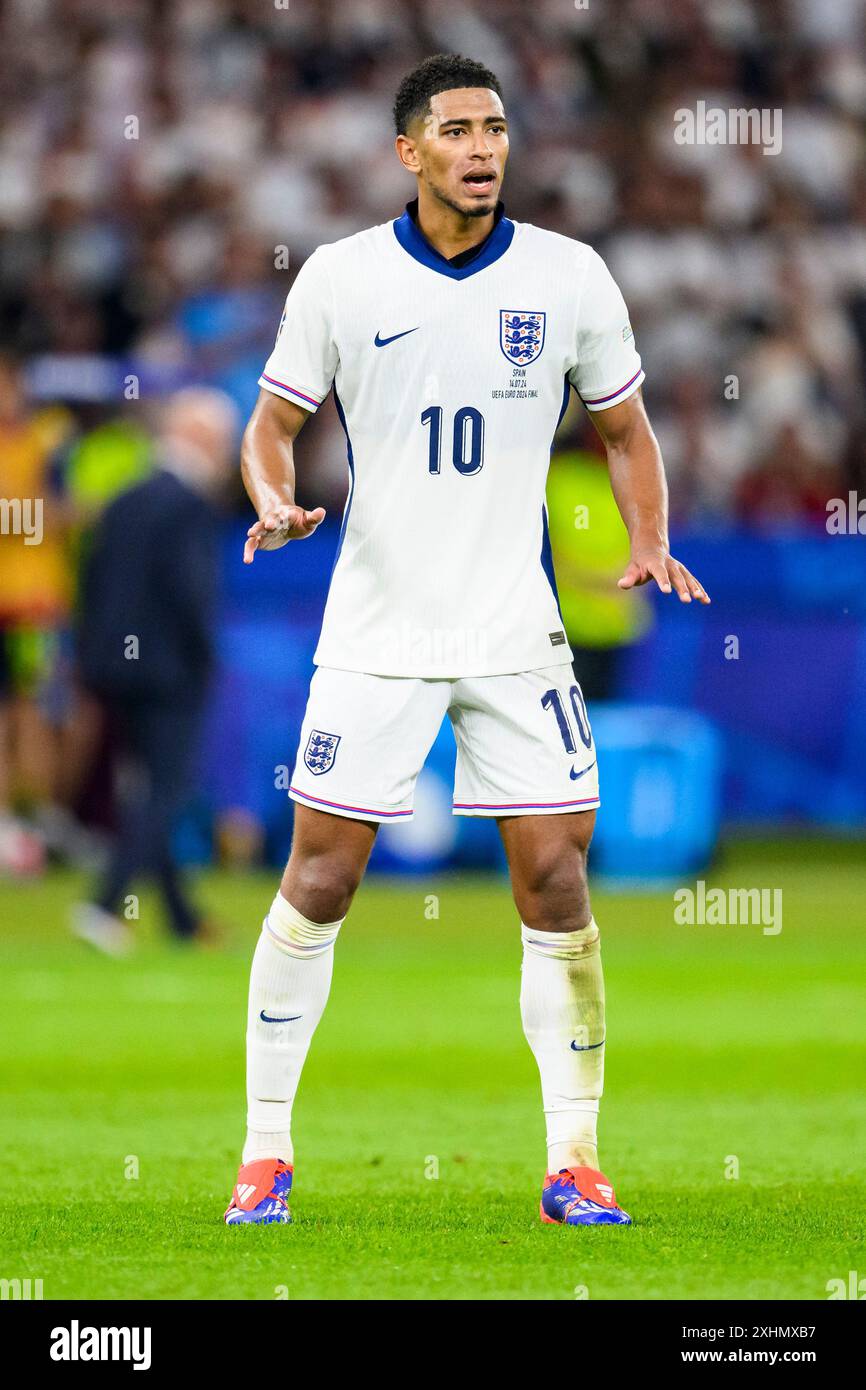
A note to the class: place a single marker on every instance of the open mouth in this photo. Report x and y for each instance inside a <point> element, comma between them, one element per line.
<point>479,183</point>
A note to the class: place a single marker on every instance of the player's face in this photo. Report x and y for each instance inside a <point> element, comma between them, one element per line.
<point>461,149</point>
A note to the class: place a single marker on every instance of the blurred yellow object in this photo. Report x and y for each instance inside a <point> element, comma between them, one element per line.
<point>35,572</point>
<point>590,549</point>
<point>104,462</point>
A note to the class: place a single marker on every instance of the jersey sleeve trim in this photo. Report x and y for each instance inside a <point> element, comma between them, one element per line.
<point>290,393</point>
<point>614,397</point>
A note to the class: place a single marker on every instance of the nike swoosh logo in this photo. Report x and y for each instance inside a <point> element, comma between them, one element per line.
<point>575,776</point>
<point>591,1048</point>
<point>383,342</point>
<point>266,1019</point>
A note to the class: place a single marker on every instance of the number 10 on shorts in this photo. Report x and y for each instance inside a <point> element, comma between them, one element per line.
<point>551,699</point>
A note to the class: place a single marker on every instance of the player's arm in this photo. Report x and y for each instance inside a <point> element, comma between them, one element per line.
<point>637,477</point>
<point>268,471</point>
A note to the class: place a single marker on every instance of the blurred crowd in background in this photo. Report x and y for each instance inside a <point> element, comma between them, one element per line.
<point>165,168</point>
<point>151,241</point>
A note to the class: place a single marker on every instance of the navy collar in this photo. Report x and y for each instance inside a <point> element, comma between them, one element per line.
<point>467,263</point>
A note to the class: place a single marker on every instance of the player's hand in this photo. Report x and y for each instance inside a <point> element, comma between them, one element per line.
<point>656,564</point>
<point>275,528</point>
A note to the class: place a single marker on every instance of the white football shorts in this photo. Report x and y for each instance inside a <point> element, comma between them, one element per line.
<point>524,743</point>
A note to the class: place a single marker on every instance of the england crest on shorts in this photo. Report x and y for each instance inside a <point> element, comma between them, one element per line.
<point>320,752</point>
<point>521,334</point>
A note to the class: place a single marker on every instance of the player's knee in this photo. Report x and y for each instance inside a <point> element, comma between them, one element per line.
<point>321,886</point>
<point>552,873</point>
<point>554,895</point>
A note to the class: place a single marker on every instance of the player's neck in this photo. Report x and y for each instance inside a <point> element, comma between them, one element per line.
<point>447,230</point>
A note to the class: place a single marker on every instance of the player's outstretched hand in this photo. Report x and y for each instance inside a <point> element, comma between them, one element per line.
<point>668,573</point>
<point>275,528</point>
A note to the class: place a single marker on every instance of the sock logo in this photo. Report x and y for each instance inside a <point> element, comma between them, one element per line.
<point>292,1018</point>
<point>590,1048</point>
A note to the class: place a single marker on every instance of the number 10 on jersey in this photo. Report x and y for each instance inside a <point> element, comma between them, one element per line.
<point>467,443</point>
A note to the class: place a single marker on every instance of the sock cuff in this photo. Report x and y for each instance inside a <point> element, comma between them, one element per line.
<point>562,945</point>
<point>295,933</point>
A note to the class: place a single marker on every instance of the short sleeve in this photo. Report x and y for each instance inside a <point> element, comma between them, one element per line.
<point>304,359</point>
<point>608,368</point>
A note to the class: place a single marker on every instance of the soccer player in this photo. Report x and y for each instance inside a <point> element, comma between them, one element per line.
<point>451,338</point>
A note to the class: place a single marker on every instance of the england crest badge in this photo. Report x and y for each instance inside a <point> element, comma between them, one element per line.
<point>320,752</point>
<point>521,334</point>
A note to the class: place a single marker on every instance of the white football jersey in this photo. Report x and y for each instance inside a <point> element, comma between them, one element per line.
<point>450,381</point>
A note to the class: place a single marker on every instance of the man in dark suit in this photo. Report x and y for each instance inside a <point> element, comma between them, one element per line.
<point>146,648</point>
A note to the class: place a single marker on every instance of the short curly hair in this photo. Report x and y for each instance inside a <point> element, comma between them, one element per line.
<point>441,73</point>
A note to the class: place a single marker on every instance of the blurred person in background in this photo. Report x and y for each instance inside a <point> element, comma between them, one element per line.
<point>223,323</point>
<point>590,548</point>
<point>792,482</point>
<point>146,646</point>
<point>109,451</point>
<point>21,851</point>
<point>37,707</point>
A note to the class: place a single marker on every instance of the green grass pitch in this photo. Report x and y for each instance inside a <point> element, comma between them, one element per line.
<point>418,1129</point>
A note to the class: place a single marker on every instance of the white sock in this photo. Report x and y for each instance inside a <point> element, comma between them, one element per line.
<point>290,981</point>
<point>562,1003</point>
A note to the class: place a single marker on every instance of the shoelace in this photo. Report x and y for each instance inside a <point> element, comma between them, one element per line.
<point>565,1178</point>
<point>279,1172</point>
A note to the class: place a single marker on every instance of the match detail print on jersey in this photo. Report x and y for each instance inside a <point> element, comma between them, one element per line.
<point>450,382</point>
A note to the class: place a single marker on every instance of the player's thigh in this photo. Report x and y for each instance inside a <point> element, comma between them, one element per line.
<point>547,864</point>
<point>363,742</point>
<point>327,861</point>
<point>524,745</point>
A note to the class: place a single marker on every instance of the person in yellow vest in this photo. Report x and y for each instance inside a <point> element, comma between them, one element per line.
<point>35,578</point>
<point>36,586</point>
<point>590,549</point>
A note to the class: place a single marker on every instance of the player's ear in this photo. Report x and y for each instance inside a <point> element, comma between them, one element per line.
<point>407,154</point>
